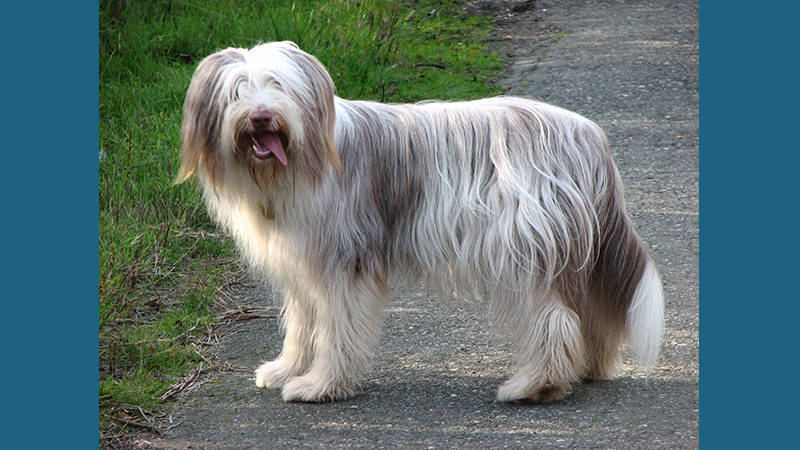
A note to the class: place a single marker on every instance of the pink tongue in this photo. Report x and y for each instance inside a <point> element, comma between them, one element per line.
<point>271,143</point>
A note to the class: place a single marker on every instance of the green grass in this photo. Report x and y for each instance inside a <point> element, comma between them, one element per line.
<point>162,261</point>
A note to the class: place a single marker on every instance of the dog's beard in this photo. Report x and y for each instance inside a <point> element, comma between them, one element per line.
<point>264,151</point>
<point>265,154</point>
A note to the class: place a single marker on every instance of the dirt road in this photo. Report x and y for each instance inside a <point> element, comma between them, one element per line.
<point>632,66</point>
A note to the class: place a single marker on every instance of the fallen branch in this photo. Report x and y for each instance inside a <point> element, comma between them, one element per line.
<point>181,386</point>
<point>133,423</point>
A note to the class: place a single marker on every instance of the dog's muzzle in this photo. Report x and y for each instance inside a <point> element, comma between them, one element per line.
<point>265,142</point>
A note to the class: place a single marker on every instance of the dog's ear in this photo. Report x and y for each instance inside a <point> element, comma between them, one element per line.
<point>203,112</point>
<point>324,92</point>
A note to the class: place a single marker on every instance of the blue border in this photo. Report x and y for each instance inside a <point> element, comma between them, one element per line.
<point>50,223</point>
<point>748,235</point>
<point>749,204</point>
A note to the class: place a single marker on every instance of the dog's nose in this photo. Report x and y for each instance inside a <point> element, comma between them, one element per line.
<point>261,119</point>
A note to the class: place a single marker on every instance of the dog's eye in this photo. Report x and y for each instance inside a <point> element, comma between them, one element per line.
<point>238,94</point>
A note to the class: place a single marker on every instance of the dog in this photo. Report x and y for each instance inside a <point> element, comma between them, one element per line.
<point>508,201</point>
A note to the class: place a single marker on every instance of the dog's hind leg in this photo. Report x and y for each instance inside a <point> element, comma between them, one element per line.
<point>551,354</point>
<point>295,357</point>
<point>348,313</point>
<point>603,334</point>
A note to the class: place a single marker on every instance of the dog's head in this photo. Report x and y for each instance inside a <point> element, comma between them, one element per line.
<point>265,109</point>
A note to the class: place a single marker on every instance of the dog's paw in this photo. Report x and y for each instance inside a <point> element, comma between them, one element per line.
<point>515,391</point>
<point>274,374</point>
<point>309,388</point>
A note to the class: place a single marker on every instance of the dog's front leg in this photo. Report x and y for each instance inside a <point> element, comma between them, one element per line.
<point>347,320</point>
<point>296,355</point>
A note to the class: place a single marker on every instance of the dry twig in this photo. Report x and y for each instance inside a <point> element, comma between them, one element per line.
<point>182,385</point>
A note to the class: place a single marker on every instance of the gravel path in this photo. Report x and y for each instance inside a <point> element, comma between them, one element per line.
<point>632,66</point>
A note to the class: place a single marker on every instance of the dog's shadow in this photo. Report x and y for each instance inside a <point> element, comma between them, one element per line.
<point>470,390</point>
<point>456,405</point>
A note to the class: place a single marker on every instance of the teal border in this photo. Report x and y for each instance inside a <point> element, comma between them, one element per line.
<point>749,198</point>
<point>749,205</point>
<point>50,224</point>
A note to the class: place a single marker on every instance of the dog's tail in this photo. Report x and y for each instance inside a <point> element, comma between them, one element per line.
<point>645,318</point>
<point>628,285</point>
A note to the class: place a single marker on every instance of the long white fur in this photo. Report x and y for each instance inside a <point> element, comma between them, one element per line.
<point>646,317</point>
<point>502,199</point>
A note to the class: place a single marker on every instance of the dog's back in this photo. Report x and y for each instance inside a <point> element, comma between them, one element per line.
<point>506,195</point>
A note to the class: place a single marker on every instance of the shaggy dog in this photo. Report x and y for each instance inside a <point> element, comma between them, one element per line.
<point>510,201</point>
